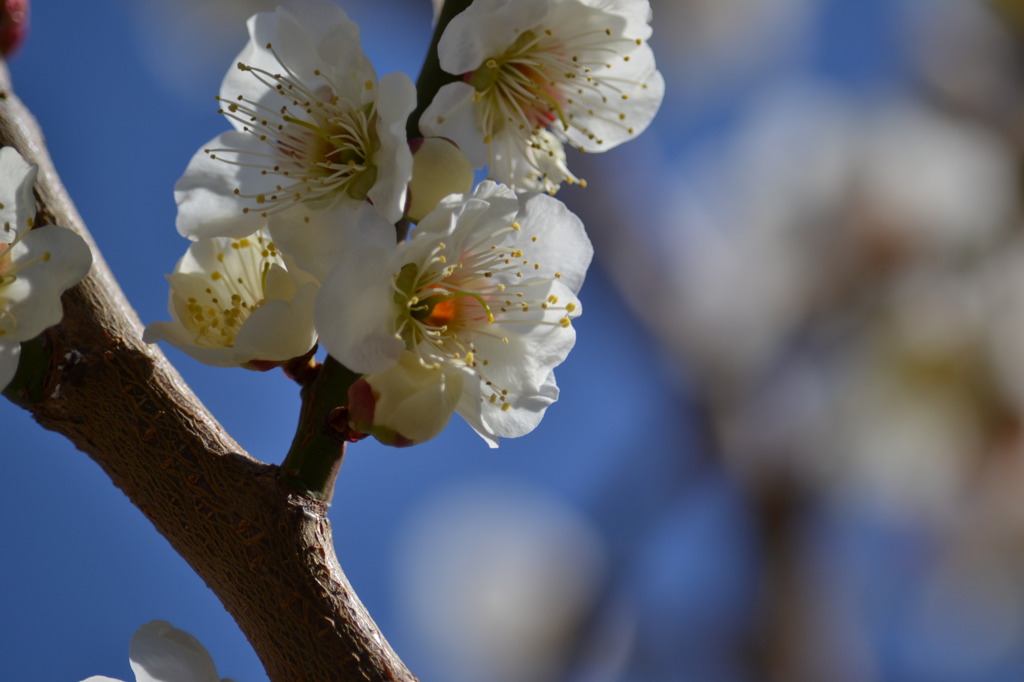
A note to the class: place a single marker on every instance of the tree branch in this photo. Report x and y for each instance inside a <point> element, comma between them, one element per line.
<point>266,551</point>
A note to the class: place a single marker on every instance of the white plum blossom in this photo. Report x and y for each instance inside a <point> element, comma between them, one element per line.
<point>537,74</point>
<point>312,126</point>
<point>37,264</point>
<point>238,302</point>
<point>482,296</point>
<point>159,652</point>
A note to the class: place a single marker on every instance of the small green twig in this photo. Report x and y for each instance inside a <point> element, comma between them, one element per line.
<point>314,459</point>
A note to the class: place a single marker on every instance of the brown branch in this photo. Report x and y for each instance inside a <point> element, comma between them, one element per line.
<point>264,550</point>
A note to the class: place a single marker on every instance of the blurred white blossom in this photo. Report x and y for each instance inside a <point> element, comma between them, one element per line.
<point>497,577</point>
<point>818,203</point>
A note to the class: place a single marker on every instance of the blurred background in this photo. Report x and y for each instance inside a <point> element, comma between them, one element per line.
<point>789,441</point>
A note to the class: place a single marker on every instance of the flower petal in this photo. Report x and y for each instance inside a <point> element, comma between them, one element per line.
<point>353,316</point>
<point>278,330</point>
<point>59,259</point>
<point>451,115</point>
<point>10,351</point>
<point>208,205</point>
<point>185,341</point>
<point>17,206</point>
<point>636,86</point>
<point>491,422</point>
<point>159,652</point>
<point>317,239</point>
<point>486,27</point>
<point>396,98</point>
<point>560,237</point>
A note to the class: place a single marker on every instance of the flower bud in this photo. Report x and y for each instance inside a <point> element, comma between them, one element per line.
<point>13,24</point>
<point>404,405</point>
<point>439,168</point>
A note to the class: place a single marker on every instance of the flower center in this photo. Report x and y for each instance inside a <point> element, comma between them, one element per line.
<point>520,88</point>
<point>317,144</point>
<point>231,294</point>
<point>440,310</point>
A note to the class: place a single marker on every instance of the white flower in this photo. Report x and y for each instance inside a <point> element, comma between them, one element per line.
<point>312,125</point>
<point>579,69</point>
<point>483,295</point>
<point>159,652</point>
<point>36,265</point>
<point>238,302</point>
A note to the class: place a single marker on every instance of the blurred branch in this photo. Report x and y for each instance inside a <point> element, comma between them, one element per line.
<point>266,551</point>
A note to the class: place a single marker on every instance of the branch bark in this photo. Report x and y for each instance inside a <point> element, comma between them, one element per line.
<point>265,551</point>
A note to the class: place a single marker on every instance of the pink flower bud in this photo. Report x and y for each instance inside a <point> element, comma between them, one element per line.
<point>13,24</point>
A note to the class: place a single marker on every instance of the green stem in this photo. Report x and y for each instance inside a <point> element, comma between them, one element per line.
<point>314,459</point>
<point>29,382</point>
<point>432,77</point>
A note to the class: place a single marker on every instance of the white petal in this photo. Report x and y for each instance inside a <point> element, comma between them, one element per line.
<point>486,28</point>
<point>491,422</point>
<point>10,351</point>
<point>316,239</point>
<point>241,83</point>
<point>160,652</point>
<point>491,206</point>
<point>526,412</point>
<point>610,116</point>
<point>396,98</point>
<point>354,312</point>
<point>561,238</point>
<point>451,115</point>
<point>205,193</point>
<point>101,678</point>
<point>185,341</point>
<point>17,205</point>
<point>522,364</point>
<point>34,297</point>
<point>278,330</point>
<point>314,35</point>
<point>306,36</point>
<point>637,14</point>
